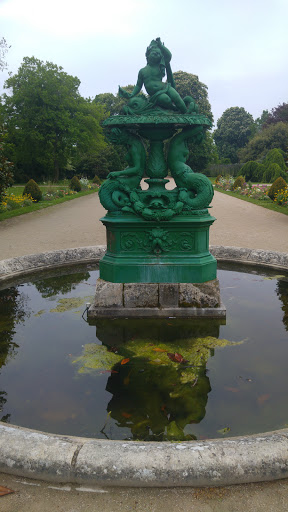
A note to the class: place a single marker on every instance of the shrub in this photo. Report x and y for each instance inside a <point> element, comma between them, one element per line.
<point>281,197</point>
<point>275,156</point>
<point>253,171</point>
<point>279,184</point>
<point>75,184</point>
<point>96,180</point>
<point>33,189</point>
<point>272,172</point>
<point>239,182</point>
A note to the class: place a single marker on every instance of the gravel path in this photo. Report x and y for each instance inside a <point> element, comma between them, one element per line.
<point>76,224</point>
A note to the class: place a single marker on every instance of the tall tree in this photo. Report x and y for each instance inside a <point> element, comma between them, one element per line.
<point>234,129</point>
<point>274,136</point>
<point>190,85</point>
<point>47,120</point>
<point>277,115</point>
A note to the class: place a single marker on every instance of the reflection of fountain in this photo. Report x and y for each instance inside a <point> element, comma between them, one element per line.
<point>153,396</point>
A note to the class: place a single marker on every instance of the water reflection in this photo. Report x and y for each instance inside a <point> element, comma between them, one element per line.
<point>163,384</point>
<point>13,309</point>
<point>282,292</point>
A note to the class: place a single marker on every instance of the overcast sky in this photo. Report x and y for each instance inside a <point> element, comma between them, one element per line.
<point>239,49</point>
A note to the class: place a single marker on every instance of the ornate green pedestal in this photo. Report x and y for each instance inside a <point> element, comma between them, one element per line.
<point>141,251</point>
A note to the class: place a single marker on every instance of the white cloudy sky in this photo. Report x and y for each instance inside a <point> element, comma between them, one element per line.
<point>239,48</point>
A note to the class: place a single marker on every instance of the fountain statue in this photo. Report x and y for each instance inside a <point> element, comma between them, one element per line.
<point>157,239</point>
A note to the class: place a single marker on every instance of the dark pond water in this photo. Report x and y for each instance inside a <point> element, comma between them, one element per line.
<point>150,380</point>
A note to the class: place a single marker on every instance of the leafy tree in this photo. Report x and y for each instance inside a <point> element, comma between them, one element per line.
<point>112,103</point>
<point>277,115</point>
<point>190,85</point>
<point>234,129</point>
<point>47,120</point>
<point>260,121</point>
<point>107,160</point>
<point>6,167</point>
<point>202,154</point>
<point>274,136</point>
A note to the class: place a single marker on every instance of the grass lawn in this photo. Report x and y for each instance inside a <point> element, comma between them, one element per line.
<point>18,189</point>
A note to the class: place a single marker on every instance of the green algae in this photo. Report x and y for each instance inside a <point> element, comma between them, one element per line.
<point>195,352</point>
<point>40,312</point>
<point>71,303</point>
<point>96,357</point>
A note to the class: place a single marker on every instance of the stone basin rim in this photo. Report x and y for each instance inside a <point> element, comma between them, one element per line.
<point>67,459</point>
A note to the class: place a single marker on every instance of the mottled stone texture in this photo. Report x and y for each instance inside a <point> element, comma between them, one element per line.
<point>108,294</point>
<point>168,295</point>
<point>203,295</point>
<point>157,299</point>
<point>141,295</point>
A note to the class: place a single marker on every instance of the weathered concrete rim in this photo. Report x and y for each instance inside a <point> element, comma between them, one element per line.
<point>56,458</point>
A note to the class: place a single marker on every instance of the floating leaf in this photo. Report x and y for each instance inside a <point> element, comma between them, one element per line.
<point>224,430</point>
<point>158,349</point>
<point>177,358</point>
<point>125,361</point>
<point>233,390</point>
<point>126,415</point>
<point>5,490</point>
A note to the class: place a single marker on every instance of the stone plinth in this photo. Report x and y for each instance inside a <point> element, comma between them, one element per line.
<point>157,300</point>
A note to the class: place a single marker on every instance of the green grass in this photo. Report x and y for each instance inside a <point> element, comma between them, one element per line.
<point>17,190</point>
<point>269,206</point>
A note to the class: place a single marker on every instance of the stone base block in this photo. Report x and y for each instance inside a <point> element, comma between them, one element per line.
<point>157,300</point>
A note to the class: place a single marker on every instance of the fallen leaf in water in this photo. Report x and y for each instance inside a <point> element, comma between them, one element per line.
<point>125,361</point>
<point>108,371</point>
<point>233,390</point>
<point>224,430</point>
<point>127,379</point>
<point>176,358</point>
<point>159,350</point>
<point>263,398</point>
<point>126,415</point>
<point>5,490</point>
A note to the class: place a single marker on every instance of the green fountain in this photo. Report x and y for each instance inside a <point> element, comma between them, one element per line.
<point>157,261</point>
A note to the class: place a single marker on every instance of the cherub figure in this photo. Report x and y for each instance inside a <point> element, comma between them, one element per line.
<point>161,94</point>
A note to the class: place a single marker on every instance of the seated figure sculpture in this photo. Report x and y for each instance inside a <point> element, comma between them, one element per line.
<point>160,94</point>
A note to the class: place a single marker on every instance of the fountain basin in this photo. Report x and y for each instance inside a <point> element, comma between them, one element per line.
<point>99,462</point>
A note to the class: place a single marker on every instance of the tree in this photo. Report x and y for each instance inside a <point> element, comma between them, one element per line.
<point>48,121</point>
<point>260,121</point>
<point>274,136</point>
<point>277,115</point>
<point>190,85</point>
<point>234,129</point>
<point>6,167</point>
<point>112,103</point>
